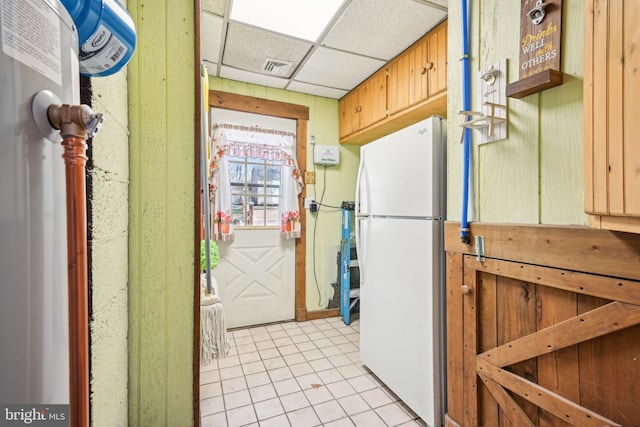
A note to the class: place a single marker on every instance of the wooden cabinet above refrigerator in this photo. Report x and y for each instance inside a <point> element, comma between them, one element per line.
<point>411,87</point>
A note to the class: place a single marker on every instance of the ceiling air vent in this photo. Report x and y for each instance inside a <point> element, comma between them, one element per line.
<point>277,67</point>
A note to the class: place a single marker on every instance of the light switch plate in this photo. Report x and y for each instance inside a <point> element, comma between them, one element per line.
<point>309,177</point>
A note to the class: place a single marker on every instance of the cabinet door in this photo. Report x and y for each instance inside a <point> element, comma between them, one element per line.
<point>408,77</point>
<point>373,98</point>
<point>398,94</point>
<point>418,72</point>
<point>611,105</point>
<point>349,113</point>
<point>398,84</point>
<point>436,61</point>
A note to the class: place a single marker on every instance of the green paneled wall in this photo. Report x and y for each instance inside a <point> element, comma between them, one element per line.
<point>535,175</point>
<point>162,123</point>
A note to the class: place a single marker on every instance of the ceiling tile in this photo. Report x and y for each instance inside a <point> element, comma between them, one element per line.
<point>254,78</point>
<point>441,3</point>
<point>303,19</point>
<point>327,92</point>
<point>367,35</point>
<point>214,6</point>
<point>382,28</point>
<point>333,68</point>
<point>211,30</point>
<point>248,47</point>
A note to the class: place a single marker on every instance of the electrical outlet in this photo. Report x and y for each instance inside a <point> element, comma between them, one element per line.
<point>307,202</point>
<point>309,177</point>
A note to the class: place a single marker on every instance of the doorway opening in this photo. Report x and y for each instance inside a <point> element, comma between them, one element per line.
<point>299,114</point>
<point>255,275</point>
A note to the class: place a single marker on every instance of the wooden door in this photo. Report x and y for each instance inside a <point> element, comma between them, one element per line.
<point>611,104</point>
<point>373,99</point>
<point>418,72</point>
<point>256,277</point>
<point>542,345</point>
<point>436,61</point>
<point>408,77</point>
<point>398,84</point>
<point>364,105</point>
<point>349,110</point>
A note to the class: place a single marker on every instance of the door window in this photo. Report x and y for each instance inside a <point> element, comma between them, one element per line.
<point>255,191</point>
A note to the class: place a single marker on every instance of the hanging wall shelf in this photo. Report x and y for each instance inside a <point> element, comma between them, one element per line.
<point>534,84</point>
<point>540,48</point>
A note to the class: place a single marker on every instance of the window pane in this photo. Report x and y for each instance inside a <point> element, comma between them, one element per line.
<point>273,179</point>
<point>255,174</point>
<point>275,200</point>
<point>238,210</point>
<point>257,215</point>
<point>237,190</point>
<point>272,215</point>
<point>237,172</point>
<point>255,191</point>
<point>273,174</point>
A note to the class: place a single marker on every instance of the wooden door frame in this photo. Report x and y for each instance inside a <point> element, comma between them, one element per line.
<point>249,104</point>
<point>299,113</point>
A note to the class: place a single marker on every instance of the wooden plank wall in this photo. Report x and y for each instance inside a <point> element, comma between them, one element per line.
<point>611,154</point>
<point>161,221</point>
<point>543,343</point>
<point>536,174</point>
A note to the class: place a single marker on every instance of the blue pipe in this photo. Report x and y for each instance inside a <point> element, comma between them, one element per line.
<point>466,106</point>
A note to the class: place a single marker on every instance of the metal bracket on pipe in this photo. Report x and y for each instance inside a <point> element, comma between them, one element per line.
<point>479,248</point>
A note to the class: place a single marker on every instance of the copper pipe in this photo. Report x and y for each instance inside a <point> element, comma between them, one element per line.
<point>75,160</point>
<point>72,121</point>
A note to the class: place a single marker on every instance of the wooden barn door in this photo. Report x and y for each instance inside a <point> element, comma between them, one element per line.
<point>540,346</point>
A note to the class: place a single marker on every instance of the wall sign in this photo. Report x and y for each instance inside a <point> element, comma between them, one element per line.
<point>540,45</point>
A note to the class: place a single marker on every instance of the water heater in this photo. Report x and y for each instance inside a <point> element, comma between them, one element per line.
<point>39,52</point>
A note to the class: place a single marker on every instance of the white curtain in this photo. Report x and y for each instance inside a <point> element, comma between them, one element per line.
<point>267,144</point>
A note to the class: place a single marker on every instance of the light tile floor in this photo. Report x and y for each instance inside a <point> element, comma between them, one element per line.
<point>297,374</point>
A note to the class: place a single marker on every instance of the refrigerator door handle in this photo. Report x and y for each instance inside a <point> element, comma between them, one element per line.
<point>357,209</point>
<point>358,252</point>
<point>358,179</point>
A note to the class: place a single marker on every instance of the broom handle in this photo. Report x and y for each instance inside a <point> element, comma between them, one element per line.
<point>204,181</point>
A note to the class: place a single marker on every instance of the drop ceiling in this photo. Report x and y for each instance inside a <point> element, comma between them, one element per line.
<point>359,38</point>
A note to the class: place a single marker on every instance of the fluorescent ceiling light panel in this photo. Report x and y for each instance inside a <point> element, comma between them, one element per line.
<point>304,19</point>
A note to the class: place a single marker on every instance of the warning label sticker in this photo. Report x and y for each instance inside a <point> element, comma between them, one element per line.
<point>31,35</point>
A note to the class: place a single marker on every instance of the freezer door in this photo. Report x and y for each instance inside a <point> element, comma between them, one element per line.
<point>402,174</point>
<point>400,311</point>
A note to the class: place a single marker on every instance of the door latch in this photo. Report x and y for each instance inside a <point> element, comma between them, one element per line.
<point>479,248</point>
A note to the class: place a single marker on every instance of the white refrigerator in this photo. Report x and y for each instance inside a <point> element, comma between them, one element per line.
<point>399,211</point>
